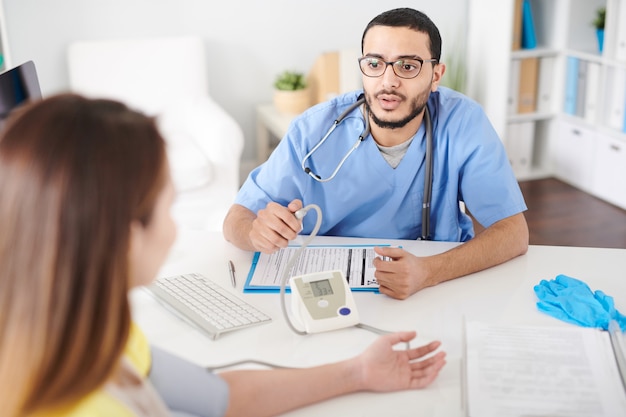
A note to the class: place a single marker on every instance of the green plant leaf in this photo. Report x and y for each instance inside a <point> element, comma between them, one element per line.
<point>600,18</point>
<point>290,81</point>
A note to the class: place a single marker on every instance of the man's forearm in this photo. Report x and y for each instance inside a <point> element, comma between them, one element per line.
<point>237,225</point>
<point>497,244</point>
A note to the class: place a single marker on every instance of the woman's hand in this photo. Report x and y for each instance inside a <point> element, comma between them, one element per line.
<point>385,369</point>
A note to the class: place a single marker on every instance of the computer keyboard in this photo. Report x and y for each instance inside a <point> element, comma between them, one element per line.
<point>206,304</point>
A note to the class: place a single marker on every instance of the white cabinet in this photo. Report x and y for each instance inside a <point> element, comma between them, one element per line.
<point>591,159</point>
<point>579,108</point>
<point>609,181</point>
<point>573,154</point>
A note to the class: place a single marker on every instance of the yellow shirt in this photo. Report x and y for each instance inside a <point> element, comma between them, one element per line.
<point>102,403</point>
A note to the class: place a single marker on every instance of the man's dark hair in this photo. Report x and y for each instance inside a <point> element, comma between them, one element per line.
<point>412,19</point>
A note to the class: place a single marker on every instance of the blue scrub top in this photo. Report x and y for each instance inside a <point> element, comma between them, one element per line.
<point>369,198</point>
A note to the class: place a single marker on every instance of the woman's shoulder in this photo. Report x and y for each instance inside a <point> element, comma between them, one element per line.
<point>97,404</point>
<point>101,403</point>
<point>138,350</point>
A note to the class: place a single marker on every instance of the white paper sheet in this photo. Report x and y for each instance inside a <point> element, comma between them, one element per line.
<point>541,371</point>
<point>356,262</point>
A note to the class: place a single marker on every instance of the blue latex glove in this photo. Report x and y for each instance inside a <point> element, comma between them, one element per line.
<point>571,300</point>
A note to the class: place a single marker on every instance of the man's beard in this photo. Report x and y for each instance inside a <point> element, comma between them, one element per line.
<point>417,105</point>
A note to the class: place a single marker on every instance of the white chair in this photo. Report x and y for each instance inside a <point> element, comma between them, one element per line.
<point>168,78</point>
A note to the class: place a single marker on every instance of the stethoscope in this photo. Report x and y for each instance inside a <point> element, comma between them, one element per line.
<point>428,176</point>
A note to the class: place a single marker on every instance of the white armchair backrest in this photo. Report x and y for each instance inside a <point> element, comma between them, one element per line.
<point>167,78</point>
<point>147,74</point>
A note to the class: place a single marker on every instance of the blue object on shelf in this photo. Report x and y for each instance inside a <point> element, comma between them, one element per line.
<point>529,37</point>
<point>600,35</point>
<point>571,85</point>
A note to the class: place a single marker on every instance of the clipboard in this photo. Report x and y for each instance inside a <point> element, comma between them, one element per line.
<point>355,261</point>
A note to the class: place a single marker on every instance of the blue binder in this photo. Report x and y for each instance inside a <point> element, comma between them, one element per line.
<point>529,37</point>
<point>571,85</point>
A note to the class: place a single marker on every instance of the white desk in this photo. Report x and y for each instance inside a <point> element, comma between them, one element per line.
<point>503,294</point>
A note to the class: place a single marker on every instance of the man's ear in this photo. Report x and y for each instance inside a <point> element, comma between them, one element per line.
<point>438,72</point>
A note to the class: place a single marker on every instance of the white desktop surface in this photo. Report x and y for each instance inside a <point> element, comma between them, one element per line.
<point>502,294</point>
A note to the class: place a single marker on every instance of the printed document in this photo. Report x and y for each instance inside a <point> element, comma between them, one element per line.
<point>356,262</point>
<point>541,371</point>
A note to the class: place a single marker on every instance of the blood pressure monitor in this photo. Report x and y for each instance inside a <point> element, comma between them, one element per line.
<point>322,301</point>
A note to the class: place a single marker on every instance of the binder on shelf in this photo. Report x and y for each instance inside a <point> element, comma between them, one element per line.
<point>581,89</point>
<point>517,25</point>
<point>519,144</point>
<point>513,93</point>
<point>545,84</point>
<point>323,78</point>
<point>571,83</point>
<point>529,36</point>
<point>334,73</point>
<point>591,92</point>
<point>616,99</point>
<point>529,72</point>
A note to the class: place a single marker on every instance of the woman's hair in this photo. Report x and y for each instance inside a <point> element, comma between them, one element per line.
<point>74,174</point>
<point>412,19</point>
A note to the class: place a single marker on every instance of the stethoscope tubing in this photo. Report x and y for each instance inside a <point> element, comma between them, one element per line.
<point>428,175</point>
<point>336,123</point>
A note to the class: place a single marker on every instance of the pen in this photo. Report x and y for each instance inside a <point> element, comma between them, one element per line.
<point>231,271</point>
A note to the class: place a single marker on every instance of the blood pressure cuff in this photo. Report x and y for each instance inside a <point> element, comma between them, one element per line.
<point>572,301</point>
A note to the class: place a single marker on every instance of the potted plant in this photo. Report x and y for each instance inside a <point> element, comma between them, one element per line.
<point>598,22</point>
<point>291,93</point>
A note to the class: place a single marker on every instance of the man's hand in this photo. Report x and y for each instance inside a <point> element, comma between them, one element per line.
<point>404,275</point>
<point>275,226</point>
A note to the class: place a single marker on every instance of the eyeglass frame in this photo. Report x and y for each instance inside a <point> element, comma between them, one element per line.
<point>393,68</point>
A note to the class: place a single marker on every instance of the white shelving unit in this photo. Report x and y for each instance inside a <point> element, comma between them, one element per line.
<point>586,147</point>
<point>5,62</point>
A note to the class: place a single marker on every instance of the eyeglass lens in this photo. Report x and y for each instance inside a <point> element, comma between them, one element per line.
<point>404,68</point>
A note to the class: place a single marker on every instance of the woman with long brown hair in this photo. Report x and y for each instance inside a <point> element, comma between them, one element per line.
<point>84,217</point>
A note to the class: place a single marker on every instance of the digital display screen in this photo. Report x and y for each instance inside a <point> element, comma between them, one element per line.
<point>321,287</point>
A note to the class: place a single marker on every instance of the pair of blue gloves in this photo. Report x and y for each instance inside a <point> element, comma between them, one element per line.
<point>572,301</point>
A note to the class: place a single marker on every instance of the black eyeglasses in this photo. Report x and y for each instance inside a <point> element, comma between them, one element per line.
<point>403,68</point>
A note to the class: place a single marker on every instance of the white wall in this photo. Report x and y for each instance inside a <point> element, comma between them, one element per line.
<point>249,41</point>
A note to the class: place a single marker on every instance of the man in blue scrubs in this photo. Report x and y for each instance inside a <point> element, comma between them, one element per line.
<point>378,190</point>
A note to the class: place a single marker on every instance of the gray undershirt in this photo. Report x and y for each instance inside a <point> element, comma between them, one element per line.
<point>394,154</point>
